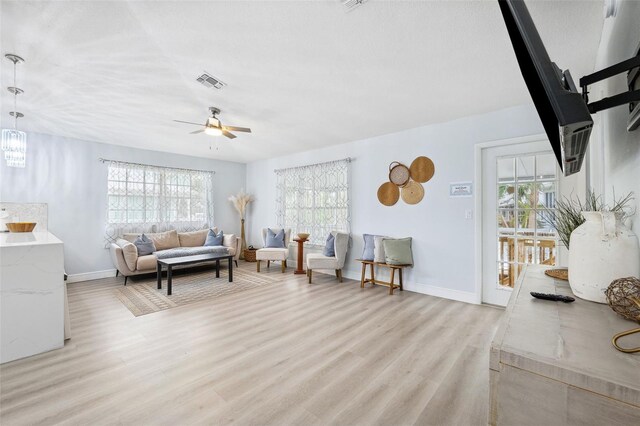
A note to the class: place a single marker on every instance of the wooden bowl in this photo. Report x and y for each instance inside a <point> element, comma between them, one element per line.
<point>21,226</point>
<point>303,235</point>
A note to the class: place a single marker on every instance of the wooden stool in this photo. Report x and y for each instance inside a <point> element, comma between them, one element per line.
<point>392,286</point>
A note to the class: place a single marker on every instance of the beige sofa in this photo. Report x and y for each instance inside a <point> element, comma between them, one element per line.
<point>124,253</point>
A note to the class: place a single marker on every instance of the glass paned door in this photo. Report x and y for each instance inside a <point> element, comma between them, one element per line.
<point>519,183</point>
<point>526,187</point>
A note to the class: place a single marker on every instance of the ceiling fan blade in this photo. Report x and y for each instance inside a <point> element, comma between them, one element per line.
<point>196,132</point>
<point>238,129</point>
<point>229,135</point>
<point>188,122</point>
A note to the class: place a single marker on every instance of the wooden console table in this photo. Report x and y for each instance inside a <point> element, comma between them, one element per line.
<point>553,363</point>
<point>392,286</point>
<point>300,268</point>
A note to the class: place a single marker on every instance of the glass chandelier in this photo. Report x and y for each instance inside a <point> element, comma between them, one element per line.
<point>14,142</point>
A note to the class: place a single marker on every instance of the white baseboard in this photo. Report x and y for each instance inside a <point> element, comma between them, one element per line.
<point>431,290</point>
<point>445,293</point>
<point>88,276</point>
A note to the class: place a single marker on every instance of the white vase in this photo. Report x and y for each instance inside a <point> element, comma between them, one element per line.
<point>601,250</point>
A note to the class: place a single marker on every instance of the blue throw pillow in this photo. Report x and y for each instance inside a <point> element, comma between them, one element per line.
<point>144,245</point>
<point>369,244</point>
<point>329,247</point>
<point>275,240</point>
<point>213,239</point>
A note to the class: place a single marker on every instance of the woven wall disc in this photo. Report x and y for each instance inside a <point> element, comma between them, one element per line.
<point>412,193</point>
<point>388,193</point>
<point>422,169</point>
<point>399,173</point>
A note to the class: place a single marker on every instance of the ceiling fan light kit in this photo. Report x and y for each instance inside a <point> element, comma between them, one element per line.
<point>214,127</point>
<point>213,131</point>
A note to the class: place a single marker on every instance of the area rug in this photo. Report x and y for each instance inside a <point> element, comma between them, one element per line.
<point>142,297</point>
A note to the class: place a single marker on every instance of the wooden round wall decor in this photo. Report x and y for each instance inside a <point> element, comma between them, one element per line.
<point>413,193</point>
<point>422,169</point>
<point>399,173</point>
<point>388,193</point>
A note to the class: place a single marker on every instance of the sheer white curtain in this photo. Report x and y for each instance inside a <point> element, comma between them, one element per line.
<point>315,199</point>
<point>144,198</point>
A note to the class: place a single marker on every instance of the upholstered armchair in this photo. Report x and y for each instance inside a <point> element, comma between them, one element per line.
<point>271,254</point>
<point>320,261</point>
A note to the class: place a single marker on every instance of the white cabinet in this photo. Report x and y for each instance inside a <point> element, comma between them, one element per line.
<point>553,363</point>
<point>32,294</point>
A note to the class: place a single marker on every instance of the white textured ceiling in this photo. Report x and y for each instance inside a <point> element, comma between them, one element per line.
<point>301,74</point>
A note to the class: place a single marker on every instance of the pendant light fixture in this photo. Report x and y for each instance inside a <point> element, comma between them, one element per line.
<point>14,142</point>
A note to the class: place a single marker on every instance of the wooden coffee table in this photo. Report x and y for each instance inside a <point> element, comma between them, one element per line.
<point>189,260</point>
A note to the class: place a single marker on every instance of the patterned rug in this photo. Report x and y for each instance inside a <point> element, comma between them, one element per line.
<point>142,297</point>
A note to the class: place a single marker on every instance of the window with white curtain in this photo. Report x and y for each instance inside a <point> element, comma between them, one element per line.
<point>144,198</point>
<point>315,199</point>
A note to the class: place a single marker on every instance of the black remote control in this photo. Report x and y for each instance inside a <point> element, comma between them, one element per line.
<point>554,297</point>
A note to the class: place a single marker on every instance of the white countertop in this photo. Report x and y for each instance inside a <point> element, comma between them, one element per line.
<point>16,239</point>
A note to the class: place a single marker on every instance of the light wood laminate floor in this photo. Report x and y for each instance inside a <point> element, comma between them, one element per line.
<point>289,353</point>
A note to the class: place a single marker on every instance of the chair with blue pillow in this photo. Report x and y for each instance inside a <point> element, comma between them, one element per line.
<point>333,256</point>
<point>276,247</point>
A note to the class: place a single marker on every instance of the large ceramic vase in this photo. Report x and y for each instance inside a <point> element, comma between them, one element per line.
<point>601,250</point>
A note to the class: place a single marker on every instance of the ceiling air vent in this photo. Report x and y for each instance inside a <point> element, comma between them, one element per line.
<point>210,81</point>
<point>349,5</point>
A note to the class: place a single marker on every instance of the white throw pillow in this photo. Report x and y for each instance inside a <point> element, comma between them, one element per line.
<point>378,249</point>
<point>229,240</point>
<point>129,252</point>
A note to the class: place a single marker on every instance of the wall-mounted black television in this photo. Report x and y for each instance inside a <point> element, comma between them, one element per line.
<point>562,109</point>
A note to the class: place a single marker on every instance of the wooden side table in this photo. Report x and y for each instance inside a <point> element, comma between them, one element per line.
<point>300,268</point>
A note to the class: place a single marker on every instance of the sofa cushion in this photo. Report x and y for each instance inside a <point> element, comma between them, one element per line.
<point>398,251</point>
<point>229,240</point>
<point>329,247</point>
<point>214,238</point>
<point>165,240</point>
<point>190,251</point>
<point>320,261</point>
<point>194,238</point>
<point>130,253</point>
<point>367,251</point>
<point>272,254</point>
<point>144,245</point>
<point>146,263</point>
<point>378,249</point>
<point>274,240</point>
<point>162,240</point>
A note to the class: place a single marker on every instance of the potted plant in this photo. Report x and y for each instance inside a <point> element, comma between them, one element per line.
<point>240,202</point>
<point>568,212</point>
<point>601,248</point>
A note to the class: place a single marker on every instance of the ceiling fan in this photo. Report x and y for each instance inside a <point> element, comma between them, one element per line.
<point>213,126</point>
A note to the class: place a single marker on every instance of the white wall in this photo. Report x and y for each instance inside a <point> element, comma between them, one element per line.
<point>443,239</point>
<point>66,174</point>
<point>614,152</point>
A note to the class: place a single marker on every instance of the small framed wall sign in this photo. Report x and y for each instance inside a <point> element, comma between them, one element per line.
<point>460,189</point>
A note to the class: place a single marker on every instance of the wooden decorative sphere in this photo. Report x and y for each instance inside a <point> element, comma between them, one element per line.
<point>620,297</point>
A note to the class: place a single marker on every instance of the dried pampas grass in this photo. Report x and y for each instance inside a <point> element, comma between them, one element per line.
<point>241,201</point>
